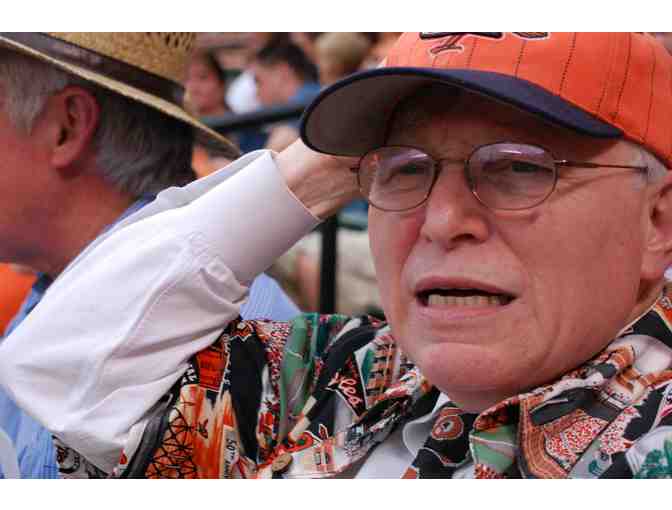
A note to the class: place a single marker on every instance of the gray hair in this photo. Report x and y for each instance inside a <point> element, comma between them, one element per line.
<point>656,169</point>
<point>138,149</point>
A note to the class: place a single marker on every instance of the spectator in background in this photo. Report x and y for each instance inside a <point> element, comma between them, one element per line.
<point>241,96</point>
<point>381,48</point>
<point>339,54</point>
<point>306,41</point>
<point>205,85</point>
<point>84,150</point>
<point>284,74</point>
<point>205,88</point>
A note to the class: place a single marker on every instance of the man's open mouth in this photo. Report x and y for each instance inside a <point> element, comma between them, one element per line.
<point>463,297</point>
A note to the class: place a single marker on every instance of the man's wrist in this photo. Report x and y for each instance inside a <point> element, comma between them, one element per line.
<point>323,184</point>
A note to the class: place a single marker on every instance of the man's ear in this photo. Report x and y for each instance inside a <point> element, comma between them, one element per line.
<point>658,249</point>
<point>74,115</point>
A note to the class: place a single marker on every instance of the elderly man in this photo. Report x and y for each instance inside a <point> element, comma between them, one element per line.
<point>91,128</point>
<point>521,223</point>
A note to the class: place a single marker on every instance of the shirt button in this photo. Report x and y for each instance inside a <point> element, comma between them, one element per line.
<point>281,463</point>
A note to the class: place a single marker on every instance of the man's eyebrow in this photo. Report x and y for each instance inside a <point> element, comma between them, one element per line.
<point>511,124</point>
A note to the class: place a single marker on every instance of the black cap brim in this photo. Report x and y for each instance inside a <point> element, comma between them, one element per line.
<point>350,117</point>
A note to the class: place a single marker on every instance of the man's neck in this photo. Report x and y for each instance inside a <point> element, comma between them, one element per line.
<point>76,228</point>
<point>648,295</point>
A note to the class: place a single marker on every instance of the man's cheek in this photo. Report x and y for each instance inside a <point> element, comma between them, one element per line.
<point>384,251</point>
<point>389,248</point>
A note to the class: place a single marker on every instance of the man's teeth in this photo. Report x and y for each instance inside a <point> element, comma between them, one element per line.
<point>438,299</point>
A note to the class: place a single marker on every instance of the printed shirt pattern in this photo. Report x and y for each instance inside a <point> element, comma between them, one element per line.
<point>309,399</point>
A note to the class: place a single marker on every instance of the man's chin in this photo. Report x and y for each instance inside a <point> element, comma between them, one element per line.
<point>479,369</point>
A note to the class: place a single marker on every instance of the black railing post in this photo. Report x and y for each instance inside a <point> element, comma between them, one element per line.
<point>328,288</point>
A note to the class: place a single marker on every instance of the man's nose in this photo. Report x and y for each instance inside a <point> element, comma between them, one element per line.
<point>452,212</point>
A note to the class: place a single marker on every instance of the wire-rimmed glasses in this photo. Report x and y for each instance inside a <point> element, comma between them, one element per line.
<point>503,175</point>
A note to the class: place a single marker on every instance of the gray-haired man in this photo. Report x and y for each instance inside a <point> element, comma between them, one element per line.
<point>91,129</point>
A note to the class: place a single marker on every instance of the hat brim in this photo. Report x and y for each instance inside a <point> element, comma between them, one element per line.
<point>351,117</point>
<point>133,93</point>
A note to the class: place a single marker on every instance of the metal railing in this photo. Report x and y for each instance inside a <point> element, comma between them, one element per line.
<point>236,122</point>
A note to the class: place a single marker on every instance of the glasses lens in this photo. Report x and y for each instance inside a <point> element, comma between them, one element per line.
<point>396,178</point>
<point>511,176</point>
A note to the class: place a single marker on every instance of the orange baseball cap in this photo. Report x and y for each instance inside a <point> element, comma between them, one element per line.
<point>606,85</point>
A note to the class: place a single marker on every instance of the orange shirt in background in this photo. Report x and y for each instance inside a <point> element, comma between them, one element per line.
<point>14,287</point>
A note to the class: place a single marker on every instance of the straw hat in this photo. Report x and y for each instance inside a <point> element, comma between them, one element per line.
<point>147,67</point>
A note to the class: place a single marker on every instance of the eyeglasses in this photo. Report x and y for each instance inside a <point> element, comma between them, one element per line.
<point>506,175</point>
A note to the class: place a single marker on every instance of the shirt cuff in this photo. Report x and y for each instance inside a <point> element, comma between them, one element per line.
<point>261,220</point>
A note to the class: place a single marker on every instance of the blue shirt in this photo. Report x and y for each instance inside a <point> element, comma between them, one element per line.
<point>306,93</point>
<point>32,445</point>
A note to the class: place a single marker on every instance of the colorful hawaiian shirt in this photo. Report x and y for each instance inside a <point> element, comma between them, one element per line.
<point>311,398</point>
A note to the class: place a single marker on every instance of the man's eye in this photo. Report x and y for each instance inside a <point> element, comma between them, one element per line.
<point>409,170</point>
<point>523,167</point>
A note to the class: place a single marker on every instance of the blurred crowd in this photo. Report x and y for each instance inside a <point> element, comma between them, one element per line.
<point>238,73</point>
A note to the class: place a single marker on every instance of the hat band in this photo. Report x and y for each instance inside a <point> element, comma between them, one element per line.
<point>100,64</point>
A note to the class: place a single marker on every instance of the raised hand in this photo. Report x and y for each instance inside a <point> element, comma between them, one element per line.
<point>323,183</point>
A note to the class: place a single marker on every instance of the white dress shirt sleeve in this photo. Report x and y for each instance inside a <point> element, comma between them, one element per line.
<point>115,330</point>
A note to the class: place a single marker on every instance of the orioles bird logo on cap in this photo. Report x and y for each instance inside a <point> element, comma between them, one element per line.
<point>451,44</point>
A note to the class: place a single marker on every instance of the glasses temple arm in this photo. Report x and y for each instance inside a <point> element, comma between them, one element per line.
<point>586,164</point>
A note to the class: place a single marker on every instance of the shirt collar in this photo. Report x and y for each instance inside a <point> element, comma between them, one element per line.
<point>141,202</point>
<point>415,432</point>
